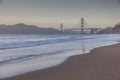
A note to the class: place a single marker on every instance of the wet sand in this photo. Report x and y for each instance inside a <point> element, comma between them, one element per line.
<point>100,64</point>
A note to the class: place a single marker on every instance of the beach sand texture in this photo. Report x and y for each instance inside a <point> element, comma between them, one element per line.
<point>100,64</point>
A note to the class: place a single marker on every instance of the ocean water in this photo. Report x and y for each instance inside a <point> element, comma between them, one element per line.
<point>20,54</point>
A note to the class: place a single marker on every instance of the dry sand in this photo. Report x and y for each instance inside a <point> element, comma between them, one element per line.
<point>100,64</point>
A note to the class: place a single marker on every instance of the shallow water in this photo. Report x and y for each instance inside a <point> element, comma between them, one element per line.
<point>25,53</point>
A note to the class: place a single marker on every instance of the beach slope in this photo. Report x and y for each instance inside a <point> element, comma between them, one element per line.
<point>100,64</point>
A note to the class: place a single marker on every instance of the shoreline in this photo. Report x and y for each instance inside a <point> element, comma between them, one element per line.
<point>90,66</point>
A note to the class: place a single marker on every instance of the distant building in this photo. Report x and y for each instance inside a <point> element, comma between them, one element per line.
<point>107,30</point>
<point>117,27</point>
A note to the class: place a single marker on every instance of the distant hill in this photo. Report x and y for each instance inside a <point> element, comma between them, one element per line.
<point>26,29</point>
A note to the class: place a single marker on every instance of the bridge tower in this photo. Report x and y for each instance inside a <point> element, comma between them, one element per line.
<point>82,25</point>
<point>61,27</point>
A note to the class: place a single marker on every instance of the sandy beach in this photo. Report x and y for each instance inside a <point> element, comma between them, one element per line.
<point>100,64</point>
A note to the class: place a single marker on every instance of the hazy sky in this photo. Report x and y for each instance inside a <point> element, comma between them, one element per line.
<point>50,13</point>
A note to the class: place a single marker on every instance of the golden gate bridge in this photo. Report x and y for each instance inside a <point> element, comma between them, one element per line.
<point>82,27</point>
